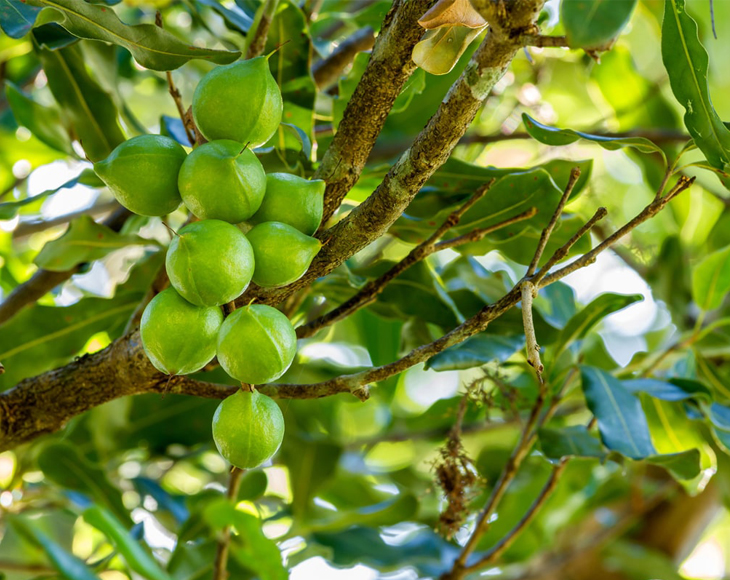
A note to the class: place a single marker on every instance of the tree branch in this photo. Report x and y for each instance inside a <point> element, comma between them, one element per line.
<point>44,404</point>
<point>258,41</point>
<point>387,71</point>
<point>369,293</point>
<point>220,567</point>
<point>43,281</point>
<point>328,70</point>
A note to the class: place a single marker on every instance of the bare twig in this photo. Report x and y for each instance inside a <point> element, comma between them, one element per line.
<point>26,229</point>
<point>220,571</point>
<point>328,70</point>
<point>258,40</point>
<point>547,232</point>
<point>495,552</point>
<point>175,94</point>
<point>540,41</point>
<point>369,293</point>
<point>563,251</point>
<point>529,292</point>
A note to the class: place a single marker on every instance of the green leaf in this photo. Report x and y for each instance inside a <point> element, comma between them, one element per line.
<point>685,465</point>
<point>151,46</point>
<point>84,241</point>
<point>250,547</point>
<point>594,23</point>
<point>44,122</point>
<point>253,486</point>
<point>676,438</point>
<point>70,567</point>
<point>10,209</point>
<point>476,351</point>
<point>574,441</point>
<point>687,64</point>
<point>720,416</point>
<point>314,462</point>
<point>440,48</point>
<point>87,109</point>
<point>387,513</point>
<point>41,337</point>
<point>592,314</point>
<point>17,17</point>
<point>672,390</point>
<point>711,279</point>
<point>621,420</point>
<point>555,136</point>
<point>64,465</point>
<point>130,549</point>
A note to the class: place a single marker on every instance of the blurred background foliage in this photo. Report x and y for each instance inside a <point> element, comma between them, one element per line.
<point>353,493</point>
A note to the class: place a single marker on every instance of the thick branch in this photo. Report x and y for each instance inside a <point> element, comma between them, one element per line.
<point>43,281</point>
<point>388,69</point>
<point>328,70</point>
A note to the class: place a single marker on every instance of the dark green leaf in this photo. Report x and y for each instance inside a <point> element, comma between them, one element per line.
<point>555,136</point>
<point>130,549</point>
<point>684,465</point>
<point>17,17</point>
<point>150,45</point>
<point>575,441</point>
<point>10,209</point>
<point>234,16</point>
<point>592,314</point>
<point>70,567</point>
<point>711,279</point>
<point>88,110</point>
<point>84,241</point>
<point>250,547</point>
<point>687,63</point>
<point>253,486</point>
<point>173,504</point>
<point>476,351</point>
<point>387,513</point>
<point>64,465</point>
<point>720,416</point>
<point>594,23</point>
<point>44,122</point>
<point>621,419</point>
<point>672,390</point>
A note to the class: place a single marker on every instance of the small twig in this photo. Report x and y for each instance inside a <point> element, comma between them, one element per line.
<point>712,18</point>
<point>547,232</point>
<point>563,251</point>
<point>372,289</point>
<point>220,571</point>
<point>328,70</point>
<point>479,233</point>
<point>494,553</point>
<point>649,211</point>
<point>175,93</point>
<point>529,292</point>
<point>258,40</point>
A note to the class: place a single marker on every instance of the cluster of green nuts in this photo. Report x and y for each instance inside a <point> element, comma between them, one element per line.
<point>253,227</point>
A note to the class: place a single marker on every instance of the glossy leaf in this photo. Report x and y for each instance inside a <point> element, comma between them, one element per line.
<point>150,45</point>
<point>87,109</point>
<point>130,549</point>
<point>577,327</point>
<point>10,209</point>
<point>476,351</point>
<point>594,23</point>
<point>621,420</point>
<point>672,390</point>
<point>250,547</point>
<point>70,567</point>
<point>711,280</point>
<point>555,136</point>
<point>687,64</point>
<point>44,122</point>
<point>574,441</point>
<point>64,465</point>
<point>17,17</point>
<point>684,465</point>
<point>84,241</point>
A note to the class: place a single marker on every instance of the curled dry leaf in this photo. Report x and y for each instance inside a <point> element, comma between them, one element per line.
<point>452,13</point>
<point>440,49</point>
